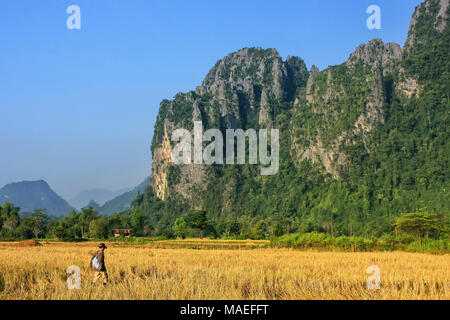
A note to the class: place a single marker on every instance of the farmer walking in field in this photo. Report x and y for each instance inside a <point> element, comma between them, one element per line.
<point>98,265</point>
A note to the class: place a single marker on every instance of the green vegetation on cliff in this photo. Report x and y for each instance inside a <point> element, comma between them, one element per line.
<point>361,143</point>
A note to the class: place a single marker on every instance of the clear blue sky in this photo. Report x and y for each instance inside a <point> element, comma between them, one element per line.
<point>78,106</point>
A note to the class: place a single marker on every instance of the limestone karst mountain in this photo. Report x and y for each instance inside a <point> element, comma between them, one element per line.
<point>361,142</point>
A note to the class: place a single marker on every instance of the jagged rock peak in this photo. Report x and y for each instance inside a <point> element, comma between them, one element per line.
<point>314,70</point>
<point>376,53</point>
<point>260,74</point>
<point>235,64</point>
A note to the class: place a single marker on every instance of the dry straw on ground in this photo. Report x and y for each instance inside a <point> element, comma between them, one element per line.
<point>146,272</point>
<point>27,243</point>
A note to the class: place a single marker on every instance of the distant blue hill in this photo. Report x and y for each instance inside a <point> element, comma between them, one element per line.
<point>32,195</point>
<point>100,196</point>
<point>122,202</point>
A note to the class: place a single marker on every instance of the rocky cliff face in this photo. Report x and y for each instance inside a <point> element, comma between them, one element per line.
<point>429,21</point>
<point>243,84</point>
<point>429,15</point>
<point>327,118</point>
<point>347,100</point>
<point>246,89</point>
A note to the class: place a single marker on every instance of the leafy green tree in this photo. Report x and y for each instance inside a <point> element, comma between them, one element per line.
<point>198,219</point>
<point>99,228</point>
<point>137,220</point>
<point>38,221</point>
<point>277,229</point>
<point>180,228</point>
<point>231,227</point>
<point>417,224</point>
<point>10,217</point>
<point>24,229</point>
<point>87,216</point>
<point>259,229</point>
<point>58,231</point>
<point>117,221</point>
<point>68,227</point>
<point>1,217</point>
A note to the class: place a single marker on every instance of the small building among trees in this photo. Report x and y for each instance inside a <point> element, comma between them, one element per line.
<point>122,232</point>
